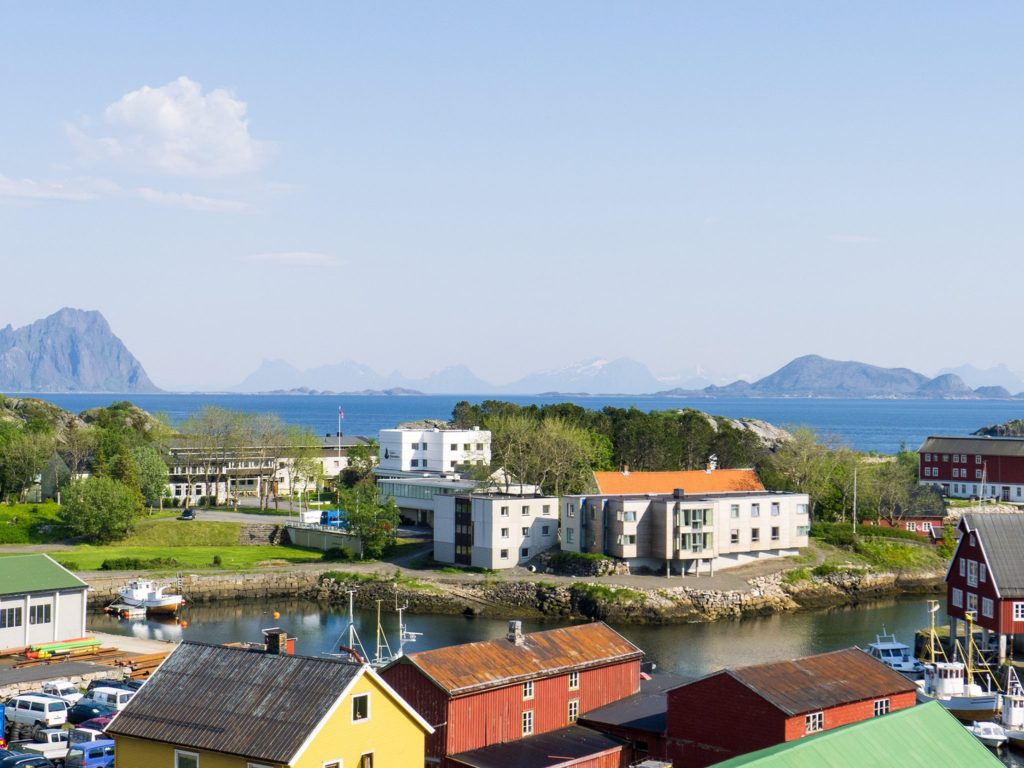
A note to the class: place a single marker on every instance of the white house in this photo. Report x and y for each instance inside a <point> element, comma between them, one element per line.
<point>432,450</point>
<point>493,530</point>
<point>681,533</point>
<point>41,601</point>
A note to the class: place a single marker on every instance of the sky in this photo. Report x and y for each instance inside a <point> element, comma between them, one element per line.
<point>516,186</point>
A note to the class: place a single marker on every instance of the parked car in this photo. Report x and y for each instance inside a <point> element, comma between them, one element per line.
<point>21,760</point>
<point>51,743</point>
<point>82,734</point>
<point>87,709</point>
<point>36,709</point>
<point>95,754</point>
<point>98,724</point>
<point>62,689</point>
<point>187,514</point>
<point>128,685</point>
<point>117,698</point>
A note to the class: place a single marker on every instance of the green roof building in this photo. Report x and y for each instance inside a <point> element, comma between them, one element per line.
<point>41,601</point>
<point>917,737</point>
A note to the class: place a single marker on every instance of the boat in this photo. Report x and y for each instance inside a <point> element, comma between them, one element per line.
<point>895,655</point>
<point>143,594</point>
<point>1012,716</point>
<point>951,683</point>
<point>990,734</point>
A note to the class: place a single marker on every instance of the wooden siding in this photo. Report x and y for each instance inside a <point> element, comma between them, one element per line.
<point>998,469</point>
<point>796,727</point>
<point>426,698</point>
<point>968,552</point>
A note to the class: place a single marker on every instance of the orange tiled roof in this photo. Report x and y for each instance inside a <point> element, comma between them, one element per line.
<point>693,481</point>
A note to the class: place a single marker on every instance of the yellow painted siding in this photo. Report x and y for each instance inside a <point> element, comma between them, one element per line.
<point>390,733</point>
<point>137,753</point>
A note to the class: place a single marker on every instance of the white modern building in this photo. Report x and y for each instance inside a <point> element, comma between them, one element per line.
<point>493,530</point>
<point>432,450</point>
<point>41,601</point>
<point>681,533</point>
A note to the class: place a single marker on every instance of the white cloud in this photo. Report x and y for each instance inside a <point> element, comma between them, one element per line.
<point>178,130</point>
<point>44,190</point>
<point>295,259</point>
<point>190,201</point>
<point>853,239</point>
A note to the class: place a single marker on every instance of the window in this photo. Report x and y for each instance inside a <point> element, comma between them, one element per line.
<point>734,536</point>
<point>775,509</point>
<point>453,464</point>
<point>569,535</point>
<point>626,515</point>
<point>627,539</point>
<point>526,530</point>
<point>528,689</point>
<point>527,722</point>
<point>360,707</point>
<point>574,710</point>
<point>927,457</point>
<point>814,722</point>
<point>466,446</point>
<point>10,617</point>
<point>977,475</point>
<point>525,552</point>
<point>479,446</point>
<point>972,573</point>
<point>802,509</point>
<point>504,512</point>
<point>415,446</point>
<point>455,446</point>
<point>503,554</point>
<point>775,533</point>
<point>366,761</point>
<point>958,598</point>
<point>415,462</point>
<point>734,511</point>
<point>185,759</point>
<point>755,535</point>
<point>570,510</point>
<point>803,530</point>
<point>574,681</point>
<point>972,602</point>
<point>912,527</point>
<point>339,763</point>
<point>981,572</point>
<point>526,510</point>
<point>963,567</point>
<point>504,533</point>
<point>545,530</point>
<point>974,490</point>
<point>755,510</point>
<point>881,707</point>
<point>546,509</point>
<point>256,765</point>
<point>987,607</point>
<point>424,463</point>
<point>945,457</point>
<point>1018,611</point>
<point>956,458</point>
<point>39,614</point>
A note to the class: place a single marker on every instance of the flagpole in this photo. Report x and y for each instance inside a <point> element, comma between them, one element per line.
<point>339,435</point>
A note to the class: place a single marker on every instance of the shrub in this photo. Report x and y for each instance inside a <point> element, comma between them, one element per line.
<point>797,574</point>
<point>217,562</point>
<point>337,553</point>
<point>100,509</point>
<point>138,564</point>
<point>825,569</point>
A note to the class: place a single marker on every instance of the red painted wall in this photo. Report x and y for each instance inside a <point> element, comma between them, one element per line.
<point>998,469</point>
<point>796,727</point>
<point>426,698</point>
<point>966,551</point>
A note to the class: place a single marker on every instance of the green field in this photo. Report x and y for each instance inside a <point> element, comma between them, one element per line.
<point>30,524</point>
<point>90,558</point>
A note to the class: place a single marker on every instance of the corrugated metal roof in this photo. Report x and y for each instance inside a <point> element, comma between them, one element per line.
<point>35,573</point>
<point>1002,539</point>
<point>461,669</point>
<point>822,681</point>
<point>694,481</point>
<point>244,702</point>
<point>644,711</point>
<point>986,446</point>
<point>924,736</point>
<point>546,750</point>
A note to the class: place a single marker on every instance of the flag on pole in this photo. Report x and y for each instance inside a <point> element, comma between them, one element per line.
<point>341,413</point>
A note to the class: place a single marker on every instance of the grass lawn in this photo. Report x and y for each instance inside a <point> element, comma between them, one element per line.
<point>90,558</point>
<point>30,524</point>
<point>182,533</point>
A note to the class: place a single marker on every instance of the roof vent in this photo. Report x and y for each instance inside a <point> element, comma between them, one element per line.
<point>678,493</point>
<point>515,632</point>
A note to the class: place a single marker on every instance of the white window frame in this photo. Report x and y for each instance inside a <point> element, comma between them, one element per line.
<point>957,598</point>
<point>528,690</point>
<point>368,712</point>
<point>574,681</point>
<point>972,573</point>
<point>814,722</point>
<point>180,753</point>
<point>1018,611</point>
<point>982,572</point>
<point>963,567</point>
<point>527,722</point>
<point>574,710</point>
<point>987,607</point>
<point>972,603</point>
<point>882,707</point>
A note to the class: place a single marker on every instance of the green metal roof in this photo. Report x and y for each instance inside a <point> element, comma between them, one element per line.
<point>922,736</point>
<point>34,573</point>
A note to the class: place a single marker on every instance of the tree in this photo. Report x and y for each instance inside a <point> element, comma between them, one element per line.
<point>100,509</point>
<point>152,473</point>
<point>300,464</point>
<point>361,460</point>
<point>23,454</point>
<point>125,470</point>
<point>374,523</point>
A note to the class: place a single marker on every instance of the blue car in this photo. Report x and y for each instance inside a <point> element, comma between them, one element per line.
<point>91,754</point>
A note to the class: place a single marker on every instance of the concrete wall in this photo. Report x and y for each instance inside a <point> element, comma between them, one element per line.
<point>210,587</point>
<point>323,539</point>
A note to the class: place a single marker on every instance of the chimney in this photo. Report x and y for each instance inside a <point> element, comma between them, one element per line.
<point>625,469</point>
<point>515,632</point>
<point>278,642</point>
<point>678,493</point>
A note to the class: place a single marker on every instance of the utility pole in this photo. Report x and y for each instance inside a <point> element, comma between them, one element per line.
<point>855,502</point>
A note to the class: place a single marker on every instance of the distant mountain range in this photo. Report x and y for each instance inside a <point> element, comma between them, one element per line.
<point>70,351</point>
<point>808,376</point>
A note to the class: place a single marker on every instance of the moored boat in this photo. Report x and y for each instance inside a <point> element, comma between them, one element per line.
<point>990,734</point>
<point>143,594</point>
<point>895,655</point>
<point>1012,716</point>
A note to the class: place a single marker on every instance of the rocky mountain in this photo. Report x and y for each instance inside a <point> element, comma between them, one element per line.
<point>996,376</point>
<point>993,393</point>
<point>349,376</point>
<point>1012,428</point>
<point>72,350</point>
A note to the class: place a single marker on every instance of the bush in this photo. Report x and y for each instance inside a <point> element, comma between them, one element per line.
<point>217,562</point>
<point>337,553</point>
<point>825,569</point>
<point>138,564</point>
<point>100,509</point>
<point>797,574</point>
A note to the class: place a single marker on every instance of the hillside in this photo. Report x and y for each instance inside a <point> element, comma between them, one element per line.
<point>70,351</point>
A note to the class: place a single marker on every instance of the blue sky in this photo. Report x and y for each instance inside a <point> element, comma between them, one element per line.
<point>516,186</point>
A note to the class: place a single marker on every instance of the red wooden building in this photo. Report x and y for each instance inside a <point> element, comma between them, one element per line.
<point>979,467</point>
<point>986,576</point>
<point>497,691</point>
<point>741,710</point>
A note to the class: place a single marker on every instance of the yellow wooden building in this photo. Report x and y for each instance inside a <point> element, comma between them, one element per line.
<point>212,706</point>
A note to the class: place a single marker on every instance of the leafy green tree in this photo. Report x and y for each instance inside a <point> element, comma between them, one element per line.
<point>100,509</point>
<point>361,460</point>
<point>124,469</point>
<point>376,524</point>
<point>23,454</point>
<point>152,472</point>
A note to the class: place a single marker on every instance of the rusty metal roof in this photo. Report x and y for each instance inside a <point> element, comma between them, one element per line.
<point>472,667</point>
<point>241,701</point>
<point>822,681</point>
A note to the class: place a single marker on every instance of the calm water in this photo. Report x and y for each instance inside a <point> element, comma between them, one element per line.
<point>867,425</point>
<point>686,649</point>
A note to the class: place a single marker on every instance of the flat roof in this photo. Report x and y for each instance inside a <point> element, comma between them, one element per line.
<point>644,711</point>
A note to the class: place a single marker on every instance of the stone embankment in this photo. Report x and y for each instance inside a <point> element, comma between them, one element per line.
<point>538,598</point>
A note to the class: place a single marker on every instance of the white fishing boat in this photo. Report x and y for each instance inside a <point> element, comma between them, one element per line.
<point>1012,716</point>
<point>990,734</point>
<point>140,593</point>
<point>951,683</point>
<point>895,655</point>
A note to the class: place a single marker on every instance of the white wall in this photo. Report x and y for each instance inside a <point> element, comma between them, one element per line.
<point>430,450</point>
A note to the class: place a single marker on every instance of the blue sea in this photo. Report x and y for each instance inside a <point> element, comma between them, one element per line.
<point>865,425</point>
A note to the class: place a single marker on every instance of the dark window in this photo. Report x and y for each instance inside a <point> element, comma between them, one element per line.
<point>361,707</point>
<point>10,617</point>
<point>39,614</point>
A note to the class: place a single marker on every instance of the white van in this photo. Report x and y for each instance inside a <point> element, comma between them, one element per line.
<point>117,698</point>
<point>36,709</point>
<point>62,689</point>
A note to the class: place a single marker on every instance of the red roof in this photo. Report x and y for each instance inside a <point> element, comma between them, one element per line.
<point>692,481</point>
